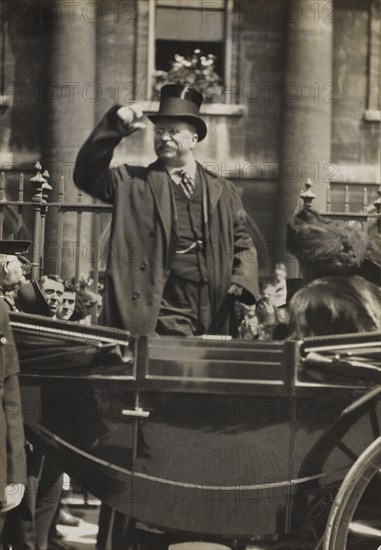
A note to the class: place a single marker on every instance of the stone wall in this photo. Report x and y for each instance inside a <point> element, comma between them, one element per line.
<point>43,50</point>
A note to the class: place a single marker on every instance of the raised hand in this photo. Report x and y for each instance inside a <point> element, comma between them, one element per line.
<point>131,117</point>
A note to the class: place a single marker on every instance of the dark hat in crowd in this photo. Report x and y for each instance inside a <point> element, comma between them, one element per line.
<point>14,247</point>
<point>181,102</point>
<point>30,299</point>
<point>326,247</point>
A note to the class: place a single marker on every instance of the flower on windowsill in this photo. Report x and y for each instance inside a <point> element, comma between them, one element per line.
<point>198,71</point>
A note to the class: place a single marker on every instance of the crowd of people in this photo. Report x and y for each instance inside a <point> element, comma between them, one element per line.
<point>50,295</point>
<point>194,272</point>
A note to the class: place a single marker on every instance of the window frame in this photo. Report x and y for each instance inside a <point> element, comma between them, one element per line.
<point>372,111</point>
<point>228,10</point>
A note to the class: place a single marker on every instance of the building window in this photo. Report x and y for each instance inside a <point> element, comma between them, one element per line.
<point>373,100</point>
<point>182,29</point>
<point>183,26</point>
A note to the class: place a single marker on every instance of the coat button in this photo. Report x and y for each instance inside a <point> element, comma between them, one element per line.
<point>153,233</point>
<point>3,340</point>
<point>143,266</point>
<point>135,295</point>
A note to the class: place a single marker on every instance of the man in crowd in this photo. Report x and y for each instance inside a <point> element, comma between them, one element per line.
<point>32,525</point>
<point>180,251</point>
<point>52,288</point>
<point>12,463</point>
<point>66,309</point>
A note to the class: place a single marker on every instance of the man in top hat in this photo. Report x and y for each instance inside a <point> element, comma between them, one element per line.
<point>180,251</point>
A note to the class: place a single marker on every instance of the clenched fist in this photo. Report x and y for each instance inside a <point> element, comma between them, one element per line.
<point>131,117</point>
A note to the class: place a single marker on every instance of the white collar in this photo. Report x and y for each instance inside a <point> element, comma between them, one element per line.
<point>190,168</point>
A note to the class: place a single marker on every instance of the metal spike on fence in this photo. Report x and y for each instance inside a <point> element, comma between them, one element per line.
<point>328,201</point>
<point>38,200</point>
<point>2,186</point>
<point>346,199</point>
<point>21,187</point>
<point>377,202</point>
<point>20,205</point>
<point>365,200</point>
<point>46,186</point>
<point>2,199</point>
<point>61,190</point>
<point>37,181</point>
<point>307,195</point>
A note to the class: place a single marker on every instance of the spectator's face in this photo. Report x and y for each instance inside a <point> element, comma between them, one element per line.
<point>280,274</point>
<point>53,292</point>
<point>66,309</point>
<point>269,292</point>
<point>174,141</point>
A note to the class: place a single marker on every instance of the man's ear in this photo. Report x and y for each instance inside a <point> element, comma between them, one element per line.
<point>194,139</point>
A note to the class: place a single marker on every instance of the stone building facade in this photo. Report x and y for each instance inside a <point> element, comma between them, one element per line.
<point>300,96</point>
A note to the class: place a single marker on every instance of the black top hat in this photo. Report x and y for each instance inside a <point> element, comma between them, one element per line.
<point>14,247</point>
<point>181,102</point>
<point>30,299</point>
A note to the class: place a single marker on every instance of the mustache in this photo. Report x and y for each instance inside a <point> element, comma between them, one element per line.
<point>164,146</point>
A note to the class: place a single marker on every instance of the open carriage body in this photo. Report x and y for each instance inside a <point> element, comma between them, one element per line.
<point>216,440</point>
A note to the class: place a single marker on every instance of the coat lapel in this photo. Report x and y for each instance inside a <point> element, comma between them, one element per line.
<point>157,179</point>
<point>214,188</point>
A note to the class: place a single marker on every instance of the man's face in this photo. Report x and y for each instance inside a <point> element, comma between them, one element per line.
<point>66,309</point>
<point>269,292</point>
<point>53,292</point>
<point>280,274</point>
<point>174,141</point>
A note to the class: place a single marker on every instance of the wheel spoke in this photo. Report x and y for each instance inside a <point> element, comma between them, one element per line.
<point>365,530</point>
<point>347,451</point>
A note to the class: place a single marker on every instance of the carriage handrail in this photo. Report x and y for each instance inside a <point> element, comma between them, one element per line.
<point>100,335</point>
<point>347,366</point>
<point>345,342</point>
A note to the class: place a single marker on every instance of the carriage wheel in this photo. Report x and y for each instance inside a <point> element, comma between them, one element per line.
<point>354,520</point>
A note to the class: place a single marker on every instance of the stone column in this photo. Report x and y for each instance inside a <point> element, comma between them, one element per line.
<point>71,94</point>
<point>308,92</point>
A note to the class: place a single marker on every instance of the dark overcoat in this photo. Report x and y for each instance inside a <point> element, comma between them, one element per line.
<point>12,459</point>
<point>142,244</point>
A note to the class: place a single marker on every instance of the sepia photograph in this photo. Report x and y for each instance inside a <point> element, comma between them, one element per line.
<point>151,402</point>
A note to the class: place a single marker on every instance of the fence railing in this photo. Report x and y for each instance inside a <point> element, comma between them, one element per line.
<point>39,207</point>
<point>370,212</point>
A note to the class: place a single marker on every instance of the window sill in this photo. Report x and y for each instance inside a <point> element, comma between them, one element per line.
<point>372,115</point>
<point>214,109</point>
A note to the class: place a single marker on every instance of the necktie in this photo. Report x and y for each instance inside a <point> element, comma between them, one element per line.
<point>186,183</point>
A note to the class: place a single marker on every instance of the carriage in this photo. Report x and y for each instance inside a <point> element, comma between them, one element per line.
<point>207,439</point>
<point>217,440</point>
